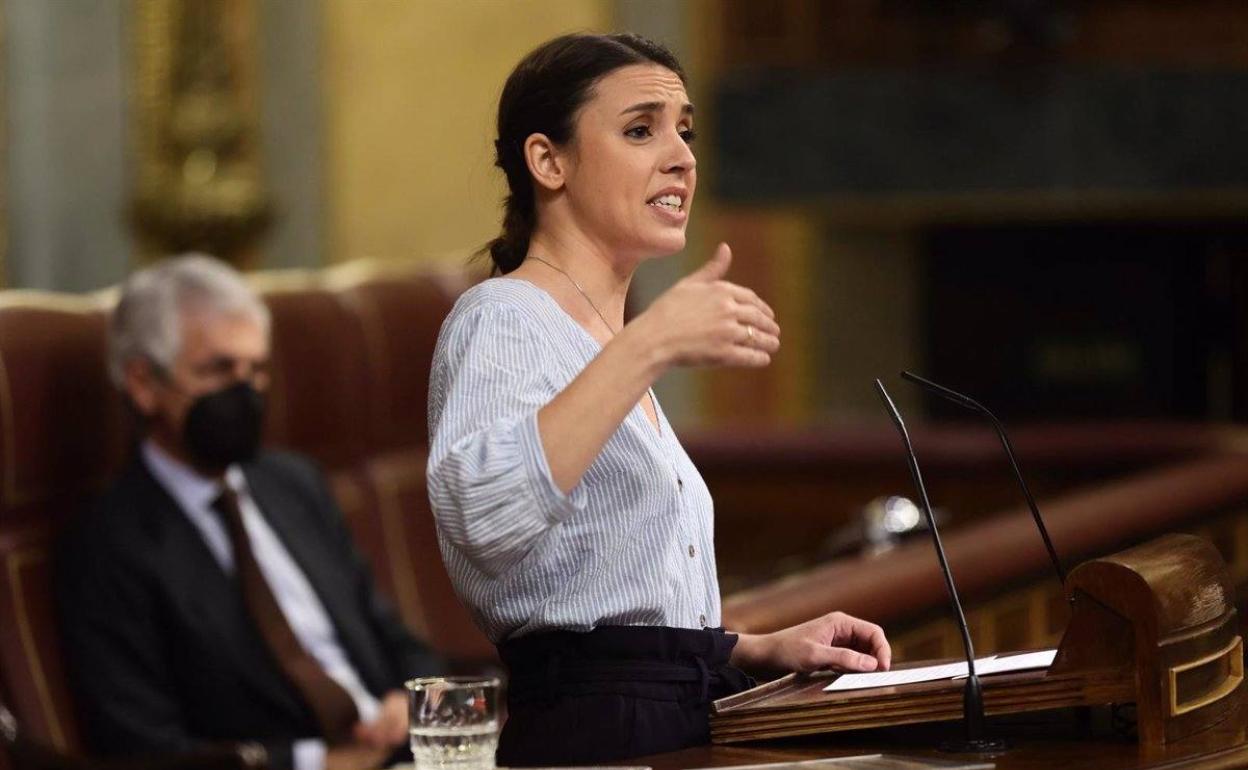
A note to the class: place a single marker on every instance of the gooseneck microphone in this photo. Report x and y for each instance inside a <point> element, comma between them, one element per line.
<point>970,403</point>
<point>972,694</point>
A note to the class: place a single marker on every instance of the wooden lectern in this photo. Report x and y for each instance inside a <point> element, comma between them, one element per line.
<point>1153,625</point>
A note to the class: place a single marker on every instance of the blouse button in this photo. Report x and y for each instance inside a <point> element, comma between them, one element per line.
<point>680,484</point>
<point>691,551</point>
<point>702,620</point>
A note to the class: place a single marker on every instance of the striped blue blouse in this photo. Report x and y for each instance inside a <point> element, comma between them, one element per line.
<point>632,544</point>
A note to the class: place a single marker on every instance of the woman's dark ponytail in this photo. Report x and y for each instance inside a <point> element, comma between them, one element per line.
<point>509,249</point>
<point>542,96</point>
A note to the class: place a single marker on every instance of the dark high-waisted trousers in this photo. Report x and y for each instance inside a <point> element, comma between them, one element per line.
<point>612,693</point>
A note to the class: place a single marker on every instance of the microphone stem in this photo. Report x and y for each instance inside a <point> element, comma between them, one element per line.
<point>972,697</point>
<point>944,561</point>
<point>1031,501</point>
<point>917,476</point>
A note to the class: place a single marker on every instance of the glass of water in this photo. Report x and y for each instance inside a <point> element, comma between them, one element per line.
<point>453,722</point>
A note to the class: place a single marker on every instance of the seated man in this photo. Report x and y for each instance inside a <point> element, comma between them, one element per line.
<point>214,595</point>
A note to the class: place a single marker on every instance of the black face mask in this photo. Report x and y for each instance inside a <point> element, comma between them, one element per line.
<point>223,427</point>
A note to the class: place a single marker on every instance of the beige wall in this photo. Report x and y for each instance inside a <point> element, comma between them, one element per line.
<point>411,90</point>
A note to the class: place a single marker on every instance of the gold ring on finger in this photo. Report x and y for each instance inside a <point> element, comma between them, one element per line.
<point>749,334</point>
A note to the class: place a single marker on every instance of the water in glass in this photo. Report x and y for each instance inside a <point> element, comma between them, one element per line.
<point>462,746</point>
<point>454,722</point>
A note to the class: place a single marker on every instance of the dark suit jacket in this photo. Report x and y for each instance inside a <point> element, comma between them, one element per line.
<point>161,652</point>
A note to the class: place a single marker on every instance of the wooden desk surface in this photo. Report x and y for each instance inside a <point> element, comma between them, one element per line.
<point>1066,740</point>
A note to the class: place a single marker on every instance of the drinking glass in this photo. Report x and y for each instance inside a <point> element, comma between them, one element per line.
<point>453,722</point>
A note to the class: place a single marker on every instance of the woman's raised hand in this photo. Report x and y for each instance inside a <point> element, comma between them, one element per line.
<point>706,321</point>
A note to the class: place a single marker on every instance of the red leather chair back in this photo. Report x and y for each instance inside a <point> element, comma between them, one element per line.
<point>61,439</point>
<point>317,400</point>
<point>400,322</point>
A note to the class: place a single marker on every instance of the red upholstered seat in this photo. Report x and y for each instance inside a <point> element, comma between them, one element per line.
<point>320,373</point>
<point>60,440</point>
<point>34,681</point>
<point>399,322</point>
<point>403,504</point>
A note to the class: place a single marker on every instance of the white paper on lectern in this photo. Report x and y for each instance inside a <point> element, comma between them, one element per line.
<point>903,676</point>
<point>1000,664</point>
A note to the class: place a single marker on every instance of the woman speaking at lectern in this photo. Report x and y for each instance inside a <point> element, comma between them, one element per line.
<point>572,522</point>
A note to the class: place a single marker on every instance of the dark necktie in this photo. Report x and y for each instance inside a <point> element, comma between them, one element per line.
<point>332,706</point>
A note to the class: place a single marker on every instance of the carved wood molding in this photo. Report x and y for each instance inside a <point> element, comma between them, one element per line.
<point>198,182</point>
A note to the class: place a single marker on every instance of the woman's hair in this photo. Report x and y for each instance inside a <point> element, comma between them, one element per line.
<point>542,96</point>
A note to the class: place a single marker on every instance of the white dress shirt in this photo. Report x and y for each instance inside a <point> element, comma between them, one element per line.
<point>294,594</point>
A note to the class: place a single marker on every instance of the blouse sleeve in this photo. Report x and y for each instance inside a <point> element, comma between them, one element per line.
<point>489,482</point>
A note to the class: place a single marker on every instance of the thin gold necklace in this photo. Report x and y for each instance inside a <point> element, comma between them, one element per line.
<point>601,317</point>
<point>572,280</point>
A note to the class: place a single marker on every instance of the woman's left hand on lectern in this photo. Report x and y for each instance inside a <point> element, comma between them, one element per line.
<point>834,641</point>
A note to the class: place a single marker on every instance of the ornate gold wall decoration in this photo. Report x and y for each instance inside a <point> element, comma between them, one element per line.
<point>198,183</point>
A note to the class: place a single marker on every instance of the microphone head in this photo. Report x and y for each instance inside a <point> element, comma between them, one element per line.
<point>942,391</point>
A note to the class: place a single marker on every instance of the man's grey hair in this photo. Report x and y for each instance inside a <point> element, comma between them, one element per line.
<point>147,322</point>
